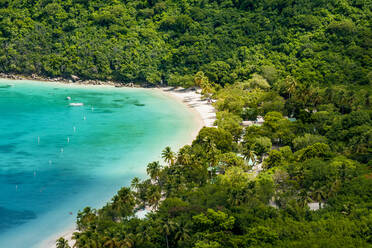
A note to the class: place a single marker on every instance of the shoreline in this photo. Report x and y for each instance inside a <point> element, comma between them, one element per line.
<point>203,112</point>
<point>74,80</point>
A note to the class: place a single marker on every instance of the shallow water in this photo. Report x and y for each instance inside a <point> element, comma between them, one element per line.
<point>56,159</point>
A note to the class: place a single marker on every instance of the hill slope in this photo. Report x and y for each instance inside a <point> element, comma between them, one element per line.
<point>317,42</point>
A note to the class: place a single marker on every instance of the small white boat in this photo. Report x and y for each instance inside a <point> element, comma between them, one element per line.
<point>76,104</point>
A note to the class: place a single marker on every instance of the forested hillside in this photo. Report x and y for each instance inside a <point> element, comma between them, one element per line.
<point>304,66</point>
<point>317,42</point>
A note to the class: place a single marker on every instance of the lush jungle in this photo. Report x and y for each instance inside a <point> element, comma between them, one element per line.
<point>304,66</point>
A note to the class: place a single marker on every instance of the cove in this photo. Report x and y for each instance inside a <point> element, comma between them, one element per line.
<point>56,159</point>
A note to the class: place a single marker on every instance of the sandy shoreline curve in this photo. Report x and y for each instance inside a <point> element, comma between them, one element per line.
<point>204,112</point>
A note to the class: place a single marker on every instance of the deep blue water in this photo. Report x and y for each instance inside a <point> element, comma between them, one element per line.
<point>56,159</point>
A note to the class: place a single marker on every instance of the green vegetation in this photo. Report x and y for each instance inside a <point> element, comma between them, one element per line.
<point>207,195</point>
<point>315,42</point>
<point>304,66</point>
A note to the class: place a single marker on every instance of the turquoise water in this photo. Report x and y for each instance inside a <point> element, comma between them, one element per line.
<point>56,159</point>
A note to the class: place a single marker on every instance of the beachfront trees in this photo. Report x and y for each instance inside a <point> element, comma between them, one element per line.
<point>230,123</point>
<point>153,170</point>
<point>257,145</point>
<point>211,137</point>
<point>62,243</point>
<point>123,203</point>
<point>168,155</point>
<point>302,59</point>
<point>185,155</point>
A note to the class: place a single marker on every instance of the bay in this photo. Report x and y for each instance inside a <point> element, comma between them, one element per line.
<point>55,159</point>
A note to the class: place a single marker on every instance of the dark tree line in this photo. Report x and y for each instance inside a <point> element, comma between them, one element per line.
<point>316,42</point>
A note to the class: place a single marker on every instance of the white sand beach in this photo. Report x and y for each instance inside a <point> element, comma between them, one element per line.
<point>193,99</point>
<point>205,113</point>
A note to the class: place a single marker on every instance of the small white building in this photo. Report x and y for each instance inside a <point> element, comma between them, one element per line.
<point>258,122</point>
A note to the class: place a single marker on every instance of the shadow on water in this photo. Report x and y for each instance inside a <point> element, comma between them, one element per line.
<point>5,86</point>
<point>103,111</point>
<point>10,218</point>
<point>7,148</point>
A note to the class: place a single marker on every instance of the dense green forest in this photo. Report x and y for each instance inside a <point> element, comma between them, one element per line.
<point>304,66</point>
<point>318,42</point>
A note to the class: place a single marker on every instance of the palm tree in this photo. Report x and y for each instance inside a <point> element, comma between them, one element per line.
<point>135,182</point>
<point>62,243</point>
<point>304,198</point>
<point>153,196</point>
<point>318,194</point>
<point>153,170</point>
<point>123,202</point>
<point>85,241</point>
<point>184,155</point>
<point>334,188</point>
<point>211,151</point>
<point>168,155</point>
<point>250,154</point>
<point>168,227</point>
<point>313,97</point>
<point>292,86</point>
<point>200,79</point>
<point>128,241</point>
<point>182,233</point>
<point>111,242</point>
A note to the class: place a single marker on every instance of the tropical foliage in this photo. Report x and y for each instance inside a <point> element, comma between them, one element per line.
<point>304,67</point>
<point>257,42</point>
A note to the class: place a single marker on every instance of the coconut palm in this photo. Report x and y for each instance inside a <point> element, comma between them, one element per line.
<point>184,155</point>
<point>250,154</point>
<point>334,188</point>
<point>135,182</point>
<point>153,196</point>
<point>168,227</point>
<point>62,243</point>
<point>292,86</point>
<point>211,151</point>
<point>304,198</point>
<point>85,241</point>
<point>111,242</point>
<point>318,194</point>
<point>182,233</point>
<point>128,241</point>
<point>153,170</point>
<point>168,155</point>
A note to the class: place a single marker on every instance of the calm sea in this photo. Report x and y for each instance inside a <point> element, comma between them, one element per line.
<point>55,159</point>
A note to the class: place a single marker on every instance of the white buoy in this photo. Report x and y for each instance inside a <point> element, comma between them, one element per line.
<point>68,98</point>
<point>50,162</point>
<point>68,139</point>
<point>92,109</point>
<point>62,150</point>
<point>38,140</point>
<point>85,118</point>
<point>74,129</point>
